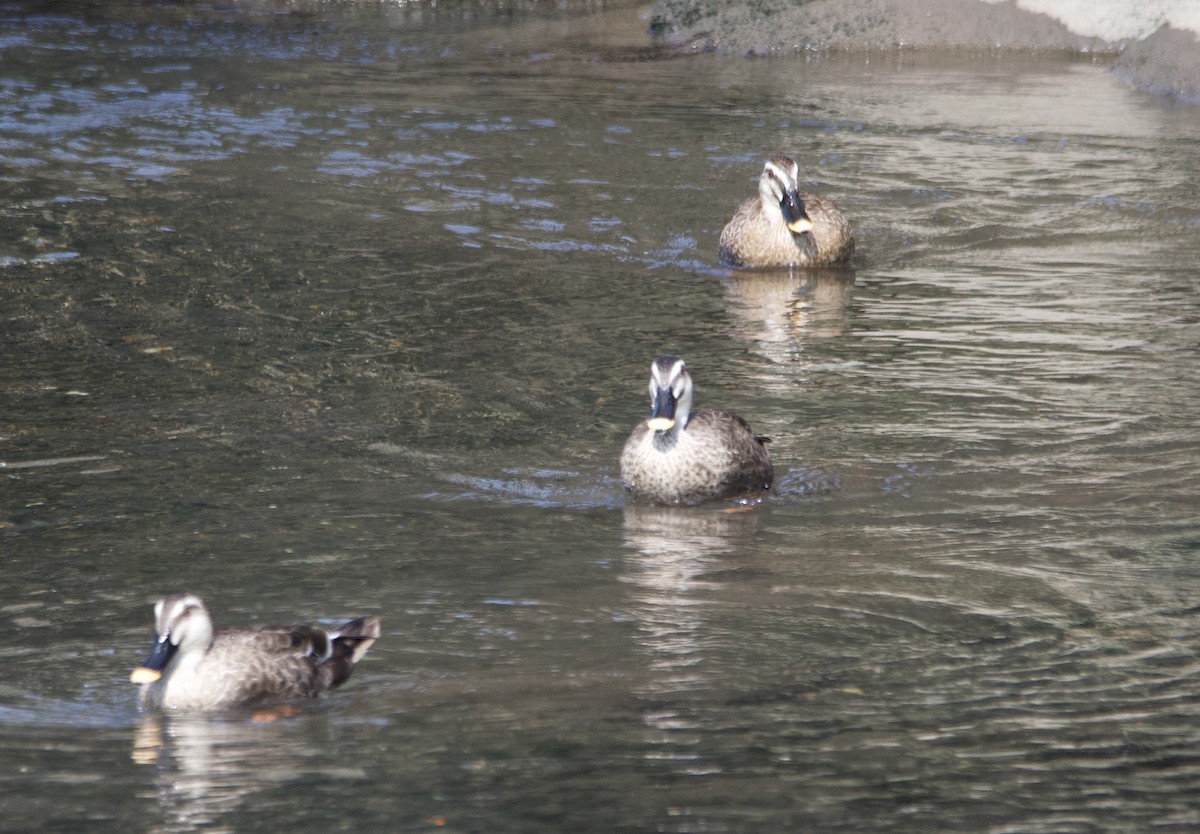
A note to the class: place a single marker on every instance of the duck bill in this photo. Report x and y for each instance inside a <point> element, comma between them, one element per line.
<point>662,417</point>
<point>798,222</point>
<point>800,225</point>
<point>152,667</point>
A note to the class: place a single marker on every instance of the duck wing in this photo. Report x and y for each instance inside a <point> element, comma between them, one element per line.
<point>286,662</point>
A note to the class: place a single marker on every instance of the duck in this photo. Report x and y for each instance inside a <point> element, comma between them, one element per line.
<point>782,227</point>
<point>676,456</point>
<point>193,668</point>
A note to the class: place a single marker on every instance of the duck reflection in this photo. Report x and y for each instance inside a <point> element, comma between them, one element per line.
<point>782,307</point>
<point>679,553</point>
<point>205,768</point>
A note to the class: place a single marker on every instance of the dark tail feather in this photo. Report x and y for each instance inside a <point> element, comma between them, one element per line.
<point>350,643</point>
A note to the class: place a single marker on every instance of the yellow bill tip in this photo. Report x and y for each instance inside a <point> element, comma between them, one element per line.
<point>801,226</point>
<point>660,423</point>
<point>143,675</point>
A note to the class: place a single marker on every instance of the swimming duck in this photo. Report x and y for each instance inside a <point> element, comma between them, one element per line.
<point>782,227</point>
<point>677,456</point>
<point>191,668</point>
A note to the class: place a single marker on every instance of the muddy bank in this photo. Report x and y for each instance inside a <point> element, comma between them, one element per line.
<point>1151,47</point>
<point>1166,62</point>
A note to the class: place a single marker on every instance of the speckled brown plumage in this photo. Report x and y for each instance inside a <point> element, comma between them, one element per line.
<point>708,454</point>
<point>201,670</point>
<point>764,229</point>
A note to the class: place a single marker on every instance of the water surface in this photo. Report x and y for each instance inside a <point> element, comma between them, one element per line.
<point>321,312</point>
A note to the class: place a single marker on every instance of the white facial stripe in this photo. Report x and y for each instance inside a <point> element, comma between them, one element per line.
<point>781,177</point>
<point>658,379</point>
<point>776,181</point>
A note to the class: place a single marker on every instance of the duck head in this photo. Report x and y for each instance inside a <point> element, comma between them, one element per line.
<point>779,190</point>
<point>670,393</point>
<point>181,622</point>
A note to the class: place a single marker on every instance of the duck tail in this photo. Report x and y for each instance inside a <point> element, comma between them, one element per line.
<point>350,643</point>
